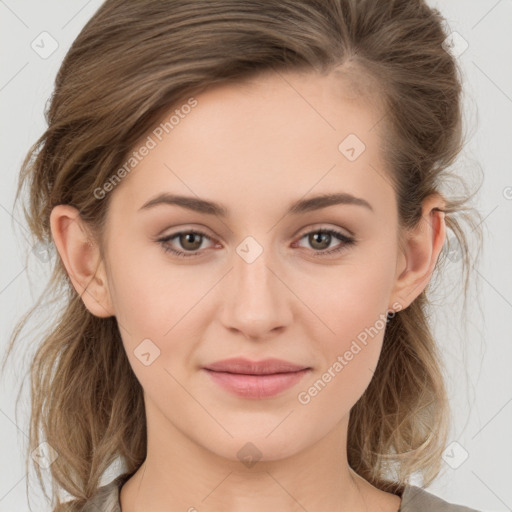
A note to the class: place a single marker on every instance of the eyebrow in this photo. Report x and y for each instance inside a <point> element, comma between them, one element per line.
<point>301,206</point>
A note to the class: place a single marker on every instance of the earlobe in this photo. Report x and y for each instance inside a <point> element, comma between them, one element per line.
<point>81,257</point>
<point>422,248</point>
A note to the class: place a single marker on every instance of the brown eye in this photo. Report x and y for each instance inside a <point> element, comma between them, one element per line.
<point>190,241</point>
<point>319,240</point>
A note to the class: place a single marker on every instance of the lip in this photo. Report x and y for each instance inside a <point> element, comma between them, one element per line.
<point>248,367</point>
<point>255,379</point>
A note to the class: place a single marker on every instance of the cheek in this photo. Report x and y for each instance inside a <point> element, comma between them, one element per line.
<point>160,311</point>
<point>354,307</point>
<point>150,298</point>
<point>349,356</point>
<point>354,296</point>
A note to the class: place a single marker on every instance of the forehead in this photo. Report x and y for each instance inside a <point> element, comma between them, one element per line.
<point>273,137</point>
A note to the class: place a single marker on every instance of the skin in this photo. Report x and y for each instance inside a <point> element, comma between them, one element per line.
<point>255,147</point>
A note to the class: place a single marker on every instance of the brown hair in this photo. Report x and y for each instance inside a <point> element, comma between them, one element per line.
<point>130,63</point>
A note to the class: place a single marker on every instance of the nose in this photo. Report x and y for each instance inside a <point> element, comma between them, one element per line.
<point>256,300</point>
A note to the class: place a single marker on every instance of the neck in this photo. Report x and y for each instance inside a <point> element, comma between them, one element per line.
<point>180,474</point>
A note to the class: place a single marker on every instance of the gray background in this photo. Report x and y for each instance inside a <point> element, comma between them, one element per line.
<point>478,350</point>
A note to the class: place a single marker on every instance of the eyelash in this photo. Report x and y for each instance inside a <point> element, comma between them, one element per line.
<point>347,242</point>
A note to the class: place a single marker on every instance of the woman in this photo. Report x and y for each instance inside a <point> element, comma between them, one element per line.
<point>246,202</point>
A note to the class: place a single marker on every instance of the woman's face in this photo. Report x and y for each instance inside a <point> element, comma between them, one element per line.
<point>259,280</point>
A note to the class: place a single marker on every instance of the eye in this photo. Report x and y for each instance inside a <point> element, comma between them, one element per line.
<point>190,240</point>
<point>321,239</point>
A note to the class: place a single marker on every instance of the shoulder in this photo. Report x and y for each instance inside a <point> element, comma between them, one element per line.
<point>416,499</point>
<point>106,498</point>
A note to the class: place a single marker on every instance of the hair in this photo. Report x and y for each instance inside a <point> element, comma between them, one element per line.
<point>128,66</point>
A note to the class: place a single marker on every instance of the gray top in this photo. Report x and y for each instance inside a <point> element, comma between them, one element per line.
<point>414,499</point>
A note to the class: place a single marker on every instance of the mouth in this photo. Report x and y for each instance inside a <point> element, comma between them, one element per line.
<point>256,380</point>
<point>245,366</point>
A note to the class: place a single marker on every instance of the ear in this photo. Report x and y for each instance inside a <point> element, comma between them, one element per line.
<point>421,248</point>
<point>81,257</point>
